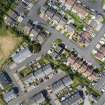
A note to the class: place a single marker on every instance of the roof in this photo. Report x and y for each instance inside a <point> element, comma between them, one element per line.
<point>29,79</point>
<point>9,96</point>
<point>58,86</point>
<point>80,10</point>
<point>61,84</point>
<point>21,56</point>
<point>56,17</point>
<point>33,33</point>
<point>43,71</point>
<point>5,79</point>
<point>40,39</point>
<point>71,60</point>
<point>38,98</point>
<point>48,69</point>
<point>70,28</point>
<point>70,2</point>
<point>49,13</point>
<point>70,100</point>
<point>38,74</point>
<point>67,81</point>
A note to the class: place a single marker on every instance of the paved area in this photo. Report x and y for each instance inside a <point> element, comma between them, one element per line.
<point>41,87</point>
<point>101,101</point>
<point>101,83</point>
<point>85,53</point>
<point>97,5</point>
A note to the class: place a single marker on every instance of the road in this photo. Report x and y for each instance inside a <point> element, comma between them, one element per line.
<point>84,52</point>
<point>42,86</point>
<point>97,6</point>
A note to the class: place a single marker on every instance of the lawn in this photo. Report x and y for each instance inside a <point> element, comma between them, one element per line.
<point>103,2</point>
<point>25,72</point>
<point>1,101</point>
<point>78,22</point>
<point>8,43</point>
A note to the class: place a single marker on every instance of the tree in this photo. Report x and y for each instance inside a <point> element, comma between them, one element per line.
<point>35,47</point>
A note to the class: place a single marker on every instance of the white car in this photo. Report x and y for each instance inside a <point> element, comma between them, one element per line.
<point>103,90</point>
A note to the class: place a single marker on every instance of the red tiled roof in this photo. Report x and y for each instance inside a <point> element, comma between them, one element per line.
<point>80,9</point>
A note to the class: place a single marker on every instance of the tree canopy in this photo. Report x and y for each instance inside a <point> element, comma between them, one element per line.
<point>35,47</point>
<point>4,7</point>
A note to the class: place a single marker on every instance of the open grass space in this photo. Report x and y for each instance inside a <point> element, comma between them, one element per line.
<point>8,43</point>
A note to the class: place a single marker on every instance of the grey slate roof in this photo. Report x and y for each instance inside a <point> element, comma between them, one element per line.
<point>38,98</point>
<point>70,100</point>
<point>21,56</point>
<point>5,79</point>
<point>9,96</point>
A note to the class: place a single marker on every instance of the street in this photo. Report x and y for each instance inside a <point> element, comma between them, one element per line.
<point>83,52</point>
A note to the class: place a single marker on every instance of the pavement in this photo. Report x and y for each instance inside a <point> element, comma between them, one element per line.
<point>42,86</point>
<point>101,101</point>
<point>84,52</point>
<point>97,5</point>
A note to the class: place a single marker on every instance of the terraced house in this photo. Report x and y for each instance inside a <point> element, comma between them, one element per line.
<point>72,19</point>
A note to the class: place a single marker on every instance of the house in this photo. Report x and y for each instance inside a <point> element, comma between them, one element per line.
<point>77,65</point>
<point>48,70</point>
<point>68,3</point>
<point>81,66</point>
<point>49,13</point>
<point>38,98</point>
<point>5,80</point>
<point>40,39</point>
<point>80,10</point>
<point>96,25</point>
<point>61,84</point>
<point>83,69</point>
<point>9,96</point>
<point>56,18</point>
<point>100,52</point>
<point>71,60</point>
<point>56,52</point>
<point>44,71</point>
<point>43,9</point>
<point>97,22</point>
<point>29,79</point>
<point>38,74</point>
<point>21,55</point>
<point>33,34</point>
<point>67,81</point>
<point>85,37</point>
<point>62,23</point>
<point>57,86</point>
<point>75,99</point>
<point>71,30</point>
<point>45,13</point>
<point>100,56</point>
<point>27,29</point>
<point>10,21</point>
